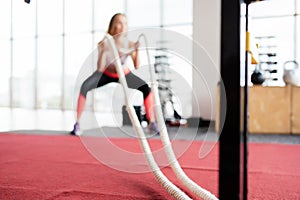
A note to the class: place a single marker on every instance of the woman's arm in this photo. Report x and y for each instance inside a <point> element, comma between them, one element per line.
<point>101,56</point>
<point>135,54</point>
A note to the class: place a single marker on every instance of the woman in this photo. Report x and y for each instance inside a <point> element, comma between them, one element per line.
<point>107,73</point>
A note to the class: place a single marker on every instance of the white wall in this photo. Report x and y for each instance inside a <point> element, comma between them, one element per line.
<point>206,56</point>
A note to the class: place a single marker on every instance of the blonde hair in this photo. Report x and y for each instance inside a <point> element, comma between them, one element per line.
<point>112,21</point>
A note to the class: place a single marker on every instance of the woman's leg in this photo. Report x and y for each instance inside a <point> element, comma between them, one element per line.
<point>97,79</point>
<point>135,82</point>
<point>90,83</point>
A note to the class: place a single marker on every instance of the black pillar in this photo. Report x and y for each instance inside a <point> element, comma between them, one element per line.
<point>231,149</point>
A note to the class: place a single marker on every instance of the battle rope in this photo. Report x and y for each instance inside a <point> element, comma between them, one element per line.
<point>161,178</point>
<point>191,185</point>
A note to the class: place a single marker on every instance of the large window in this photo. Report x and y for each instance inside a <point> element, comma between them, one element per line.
<point>177,12</point>
<point>5,71</point>
<point>45,44</point>
<point>23,77</point>
<point>148,13</point>
<point>5,44</point>
<point>50,18</point>
<point>49,74</point>
<point>78,16</point>
<point>23,19</point>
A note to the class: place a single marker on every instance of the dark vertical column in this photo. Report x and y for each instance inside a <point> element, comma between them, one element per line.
<point>245,117</point>
<point>230,140</point>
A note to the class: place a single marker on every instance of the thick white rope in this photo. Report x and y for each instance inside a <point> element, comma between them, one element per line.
<point>191,185</point>
<point>161,178</point>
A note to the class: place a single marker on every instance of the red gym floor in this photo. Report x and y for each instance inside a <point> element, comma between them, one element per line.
<point>59,167</point>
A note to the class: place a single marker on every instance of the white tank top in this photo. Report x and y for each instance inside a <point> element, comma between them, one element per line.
<point>123,53</point>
